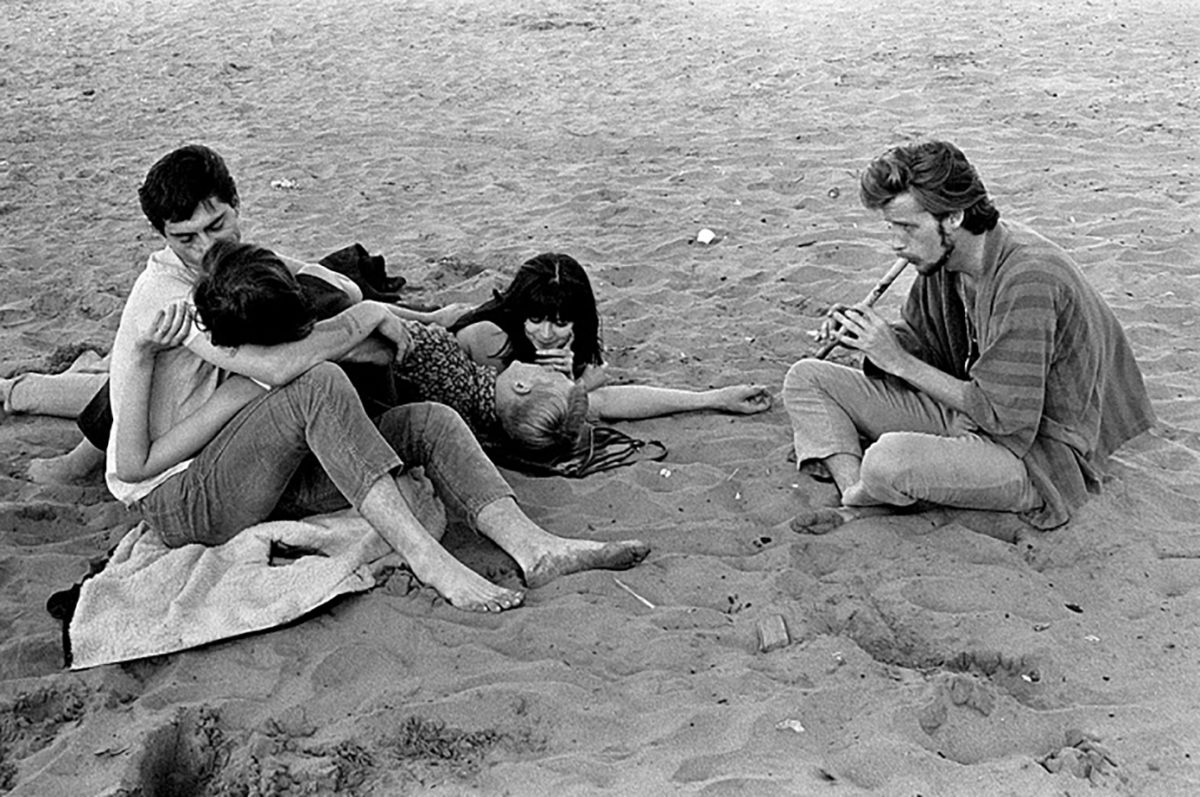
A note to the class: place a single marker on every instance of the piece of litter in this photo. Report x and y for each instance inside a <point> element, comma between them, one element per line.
<point>665,473</point>
<point>705,236</point>
<point>629,589</point>
<point>284,184</point>
<point>789,725</point>
<point>1092,638</point>
<point>737,496</point>
<point>772,633</point>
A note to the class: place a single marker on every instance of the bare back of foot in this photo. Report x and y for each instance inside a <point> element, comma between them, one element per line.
<point>579,555</point>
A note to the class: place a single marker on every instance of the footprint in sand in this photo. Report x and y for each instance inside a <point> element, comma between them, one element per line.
<point>37,523</point>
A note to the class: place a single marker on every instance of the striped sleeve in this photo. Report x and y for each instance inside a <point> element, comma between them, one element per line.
<point>1008,381</point>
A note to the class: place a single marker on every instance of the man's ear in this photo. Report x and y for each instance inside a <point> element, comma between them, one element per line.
<point>521,387</point>
<point>956,219</point>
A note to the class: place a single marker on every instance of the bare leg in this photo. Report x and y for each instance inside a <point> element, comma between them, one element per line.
<point>79,464</point>
<point>389,515</point>
<point>543,556</point>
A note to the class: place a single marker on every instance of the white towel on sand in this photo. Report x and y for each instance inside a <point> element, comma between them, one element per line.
<point>151,599</point>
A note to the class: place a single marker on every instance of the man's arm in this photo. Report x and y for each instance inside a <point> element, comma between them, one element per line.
<point>863,329</point>
<point>341,281</point>
<point>331,339</point>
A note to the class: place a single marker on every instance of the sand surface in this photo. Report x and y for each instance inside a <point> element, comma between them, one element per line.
<point>929,653</point>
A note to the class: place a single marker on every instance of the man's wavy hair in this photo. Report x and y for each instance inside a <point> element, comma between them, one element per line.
<point>546,421</point>
<point>246,295</point>
<point>938,176</point>
<point>181,181</point>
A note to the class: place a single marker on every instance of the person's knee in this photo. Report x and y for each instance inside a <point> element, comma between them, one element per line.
<point>803,378</point>
<point>425,420</point>
<point>887,466</point>
<point>324,379</point>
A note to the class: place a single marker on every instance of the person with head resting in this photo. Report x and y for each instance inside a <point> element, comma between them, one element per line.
<point>547,316</point>
<point>245,295</point>
<point>1005,386</point>
<point>203,464</point>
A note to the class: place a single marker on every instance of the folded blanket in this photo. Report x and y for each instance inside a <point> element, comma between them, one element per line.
<point>151,599</point>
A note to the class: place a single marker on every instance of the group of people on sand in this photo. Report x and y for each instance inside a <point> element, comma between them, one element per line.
<point>1005,386</point>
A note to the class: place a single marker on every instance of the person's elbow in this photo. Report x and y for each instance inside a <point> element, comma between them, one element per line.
<point>131,472</point>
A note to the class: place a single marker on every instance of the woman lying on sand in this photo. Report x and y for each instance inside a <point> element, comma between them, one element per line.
<point>547,315</point>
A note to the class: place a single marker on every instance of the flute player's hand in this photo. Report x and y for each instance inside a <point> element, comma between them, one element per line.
<point>862,329</point>
<point>828,331</point>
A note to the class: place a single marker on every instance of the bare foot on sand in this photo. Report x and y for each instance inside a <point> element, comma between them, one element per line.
<point>821,520</point>
<point>462,587</point>
<point>825,519</point>
<point>82,463</point>
<point>574,556</point>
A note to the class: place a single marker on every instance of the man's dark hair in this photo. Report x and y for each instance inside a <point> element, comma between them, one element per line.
<point>181,181</point>
<point>938,176</point>
<point>246,295</point>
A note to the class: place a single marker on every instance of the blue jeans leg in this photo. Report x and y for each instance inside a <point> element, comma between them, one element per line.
<point>425,434</point>
<point>251,467</point>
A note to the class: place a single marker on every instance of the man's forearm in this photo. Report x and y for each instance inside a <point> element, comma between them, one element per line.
<point>936,383</point>
<point>277,365</point>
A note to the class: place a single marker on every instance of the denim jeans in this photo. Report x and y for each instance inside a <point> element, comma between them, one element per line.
<point>308,447</point>
<point>919,449</point>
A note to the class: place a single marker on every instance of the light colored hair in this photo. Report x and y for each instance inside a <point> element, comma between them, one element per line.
<point>544,420</point>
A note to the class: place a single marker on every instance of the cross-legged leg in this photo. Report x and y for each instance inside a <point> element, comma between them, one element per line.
<point>919,449</point>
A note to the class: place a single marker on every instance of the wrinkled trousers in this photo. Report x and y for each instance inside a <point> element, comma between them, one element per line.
<point>916,448</point>
<point>308,447</point>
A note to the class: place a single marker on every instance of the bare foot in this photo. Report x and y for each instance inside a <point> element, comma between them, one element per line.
<point>821,520</point>
<point>81,464</point>
<point>463,588</point>
<point>574,556</point>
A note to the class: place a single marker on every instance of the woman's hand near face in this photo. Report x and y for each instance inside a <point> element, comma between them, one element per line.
<point>562,360</point>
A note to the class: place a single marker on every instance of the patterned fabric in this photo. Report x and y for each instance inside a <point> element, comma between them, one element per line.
<point>1053,378</point>
<point>437,369</point>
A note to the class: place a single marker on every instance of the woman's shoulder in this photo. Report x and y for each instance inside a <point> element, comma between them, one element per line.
<point>485,342</point>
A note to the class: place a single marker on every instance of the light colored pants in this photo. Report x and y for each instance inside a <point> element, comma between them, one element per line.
<point>63,395</point>
<point>918,449</point>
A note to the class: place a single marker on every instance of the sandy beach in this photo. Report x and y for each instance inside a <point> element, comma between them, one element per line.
<point>936,653</point>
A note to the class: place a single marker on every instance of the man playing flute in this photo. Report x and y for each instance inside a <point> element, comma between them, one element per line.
<point>1007,383</point>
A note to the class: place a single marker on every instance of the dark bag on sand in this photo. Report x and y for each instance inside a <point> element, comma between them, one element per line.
<point>600,448</point>
<point>368,271</point>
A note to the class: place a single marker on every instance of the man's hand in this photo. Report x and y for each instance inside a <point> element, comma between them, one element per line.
<point>169,329</point>
<point>393,330</point>
<point>862,329</point>
<point>828,331</point>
